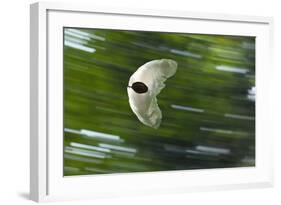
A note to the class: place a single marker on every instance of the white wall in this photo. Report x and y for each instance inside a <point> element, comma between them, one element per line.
<point>14,101</point>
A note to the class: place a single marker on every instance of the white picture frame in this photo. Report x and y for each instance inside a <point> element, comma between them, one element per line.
<point>46,179</point>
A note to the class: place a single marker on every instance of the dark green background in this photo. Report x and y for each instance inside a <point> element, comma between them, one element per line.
<point>219,134</point>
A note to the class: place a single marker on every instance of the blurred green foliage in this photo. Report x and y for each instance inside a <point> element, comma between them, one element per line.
<point>208,107</point>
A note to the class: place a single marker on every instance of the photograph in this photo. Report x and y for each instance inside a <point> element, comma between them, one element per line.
<point>150,101</point>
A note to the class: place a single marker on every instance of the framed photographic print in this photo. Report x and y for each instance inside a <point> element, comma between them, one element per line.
<point>127,102</point>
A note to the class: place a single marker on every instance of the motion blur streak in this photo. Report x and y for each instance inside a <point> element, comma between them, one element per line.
<point>180,107</point>
<point>80,47</point>
<point>216,130</point>
<point>91,133</point>
<point>84,152</point>
<point>74,144</point>
<point>186,53</point>
<point>94,134</point>
<point>231,69</point>
<point>212,149</point>
<point>77,34</point>
<point>119,148</point>
<point>241,117</point>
